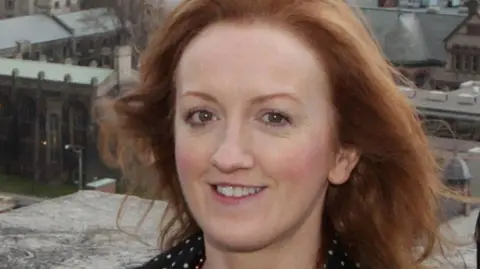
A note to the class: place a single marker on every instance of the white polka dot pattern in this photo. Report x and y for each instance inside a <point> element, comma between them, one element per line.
<point>189,254</point>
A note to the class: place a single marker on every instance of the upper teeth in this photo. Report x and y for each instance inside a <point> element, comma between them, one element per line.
<point>237,191</point>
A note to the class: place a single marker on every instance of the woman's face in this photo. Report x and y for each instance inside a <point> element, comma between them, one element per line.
<point>253,136</point>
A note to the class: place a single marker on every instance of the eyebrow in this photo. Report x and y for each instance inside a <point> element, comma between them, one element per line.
<point>201,95</point>
<point>267,97</point>
<point>255,100</point>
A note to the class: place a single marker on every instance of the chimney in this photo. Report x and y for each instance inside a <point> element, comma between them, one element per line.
<point>123,60</point>
<point>472,6</point>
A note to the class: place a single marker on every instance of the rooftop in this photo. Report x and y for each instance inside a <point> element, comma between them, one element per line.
<point>90,22</point>
<point>42,28</point>
<point>463,103</point>
<point>78,231</point>
<point>54,72</point>
<point>37,28</point>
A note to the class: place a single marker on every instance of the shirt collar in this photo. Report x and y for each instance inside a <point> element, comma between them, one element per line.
<point>190,254</point>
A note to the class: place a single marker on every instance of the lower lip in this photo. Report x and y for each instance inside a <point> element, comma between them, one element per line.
<point>231,200</point>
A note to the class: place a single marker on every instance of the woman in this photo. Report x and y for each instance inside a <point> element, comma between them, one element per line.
<point>280,140</point>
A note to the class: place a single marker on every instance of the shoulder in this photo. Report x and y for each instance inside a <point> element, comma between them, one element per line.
<point>188,252</point>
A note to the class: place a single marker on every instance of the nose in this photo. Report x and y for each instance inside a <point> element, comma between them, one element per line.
<point>232,153</point>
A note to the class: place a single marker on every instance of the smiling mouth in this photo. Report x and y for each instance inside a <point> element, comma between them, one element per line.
<point>236,191</point>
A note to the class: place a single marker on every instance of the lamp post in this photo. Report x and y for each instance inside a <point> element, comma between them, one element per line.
<point>79,151</point>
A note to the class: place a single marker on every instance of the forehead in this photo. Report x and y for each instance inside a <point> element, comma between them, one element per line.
<point>246,54</point>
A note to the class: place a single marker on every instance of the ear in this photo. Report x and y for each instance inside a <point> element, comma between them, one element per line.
<point>345,162</point>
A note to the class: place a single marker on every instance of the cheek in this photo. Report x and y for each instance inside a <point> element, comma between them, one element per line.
<point>185,160</point>
<point>191,158</point>
<point>302,162</point>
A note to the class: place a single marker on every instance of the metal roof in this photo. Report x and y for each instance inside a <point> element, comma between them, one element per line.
<point>54,72</point>
<point>405,41</point>
<point>37,28</point>
<point>90,22</point>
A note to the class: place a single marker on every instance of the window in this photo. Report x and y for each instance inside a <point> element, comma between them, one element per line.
<point>421,78</point>
<point>26,117</point>
<point>66,51</point>
<point>466,62</point>
<point>473,29</point>
<point>106,43</point>
<point>78,119</point>
<point>53,137</point>
<point>106,61</point>
<point>4,117</point>
<point>68,3</point>
<point>457,61</point>
<point>475,63</point>
<point>57,4</point>
<point>464,129</point>
<point>92,44</point>
<point>9,4</point>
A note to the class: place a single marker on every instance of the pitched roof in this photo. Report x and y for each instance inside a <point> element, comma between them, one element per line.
<point>405,41</point>
<point>90,22</point>
<point>54,72</point>
<point>37,28</point>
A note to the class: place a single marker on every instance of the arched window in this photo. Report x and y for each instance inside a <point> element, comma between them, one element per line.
<point>4,117</point>
<point>26,117</point>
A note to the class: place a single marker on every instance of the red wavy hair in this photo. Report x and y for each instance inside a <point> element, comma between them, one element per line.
<point>389,205</point>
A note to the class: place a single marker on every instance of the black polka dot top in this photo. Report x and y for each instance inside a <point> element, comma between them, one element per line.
<point>190,254</point>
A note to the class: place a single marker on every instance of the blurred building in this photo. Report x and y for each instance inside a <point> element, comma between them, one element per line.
<point>15,8</point>
<point>45,106</point>
<point>86,37</point>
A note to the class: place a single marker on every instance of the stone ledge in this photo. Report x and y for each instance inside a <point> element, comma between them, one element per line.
<point>78,231</point>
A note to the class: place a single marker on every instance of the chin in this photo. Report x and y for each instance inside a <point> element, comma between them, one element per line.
<point>238,239</point>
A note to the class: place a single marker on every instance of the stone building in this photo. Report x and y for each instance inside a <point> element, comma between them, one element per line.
<point>459,109</point>
<point>45,106</point>
<point>432,42</point>
<point>15,8</point>
<point>85,37</point>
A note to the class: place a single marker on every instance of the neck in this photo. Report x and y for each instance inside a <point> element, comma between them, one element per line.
<point>305,243</point>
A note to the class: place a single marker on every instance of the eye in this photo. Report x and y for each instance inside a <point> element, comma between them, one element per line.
<point>275,119</point>
<point>199,117</point>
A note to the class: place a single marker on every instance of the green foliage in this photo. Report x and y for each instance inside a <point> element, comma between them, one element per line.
<point>19,185</point>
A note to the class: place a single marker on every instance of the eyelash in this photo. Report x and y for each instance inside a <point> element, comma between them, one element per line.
<point>191,112</point>
<point>283,117</point>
